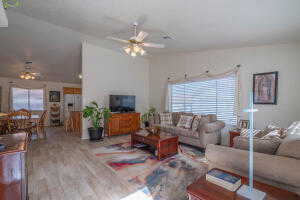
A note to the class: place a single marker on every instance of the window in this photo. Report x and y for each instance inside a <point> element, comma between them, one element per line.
<point>216,96</point>
<point>30,99</point>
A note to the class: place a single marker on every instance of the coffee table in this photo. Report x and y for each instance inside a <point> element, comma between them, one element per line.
<point>165,144</point>
<point>205,190</point>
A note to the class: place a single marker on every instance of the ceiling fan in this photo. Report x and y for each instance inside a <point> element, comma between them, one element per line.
<point>136,43</point>
<point>28,73</point>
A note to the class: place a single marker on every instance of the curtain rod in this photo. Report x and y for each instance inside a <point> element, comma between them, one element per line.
<point>206,72</point>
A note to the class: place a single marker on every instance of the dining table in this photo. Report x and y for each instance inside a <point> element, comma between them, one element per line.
<point>34,119</point>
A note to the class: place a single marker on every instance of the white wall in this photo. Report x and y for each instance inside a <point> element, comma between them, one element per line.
<point>50,86</point>
<point>108,72</point>
<point>284,58</point>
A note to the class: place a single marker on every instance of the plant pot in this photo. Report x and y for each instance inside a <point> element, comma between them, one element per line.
<point>95,134</point>
<point>147,124</point>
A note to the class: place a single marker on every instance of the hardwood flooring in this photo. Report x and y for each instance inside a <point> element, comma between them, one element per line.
<point>63,167</point>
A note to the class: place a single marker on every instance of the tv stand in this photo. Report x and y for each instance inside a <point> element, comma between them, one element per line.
<point>122,123</point>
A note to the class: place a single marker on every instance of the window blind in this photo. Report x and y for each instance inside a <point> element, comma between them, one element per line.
<point>216,96</point>
<point>30,99</point>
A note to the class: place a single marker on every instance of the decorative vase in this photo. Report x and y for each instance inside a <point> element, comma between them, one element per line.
<point>95,134</point>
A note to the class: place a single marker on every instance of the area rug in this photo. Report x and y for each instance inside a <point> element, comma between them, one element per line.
<point>192,152</point>
<point>168,181</point>
<point>165,180</point>
<point>124,147</point>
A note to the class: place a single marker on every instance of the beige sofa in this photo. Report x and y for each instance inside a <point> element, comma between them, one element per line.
<point>208,131</point>
<point>281,169</point>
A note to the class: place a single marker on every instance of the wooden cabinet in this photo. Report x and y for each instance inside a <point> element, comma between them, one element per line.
<point>69,90</point>
<point>122,123</point>
<point>13,171</point>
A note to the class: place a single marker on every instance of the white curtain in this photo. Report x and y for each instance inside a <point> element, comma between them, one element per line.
<point>203,77</point>
<point>26,86</point>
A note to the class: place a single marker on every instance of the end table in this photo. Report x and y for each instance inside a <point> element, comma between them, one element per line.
<point>233,134</point>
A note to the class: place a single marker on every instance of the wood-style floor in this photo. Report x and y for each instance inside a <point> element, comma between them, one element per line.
<point>63,167</point>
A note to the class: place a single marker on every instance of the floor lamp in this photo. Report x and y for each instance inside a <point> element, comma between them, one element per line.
<point>249,191</point>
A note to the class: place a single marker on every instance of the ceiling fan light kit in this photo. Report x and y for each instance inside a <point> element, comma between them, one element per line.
<point>27,74</point>
<point>136,43</point>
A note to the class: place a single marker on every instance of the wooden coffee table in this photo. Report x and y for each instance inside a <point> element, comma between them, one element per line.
<point>165,145</point>
<point>204,190</point>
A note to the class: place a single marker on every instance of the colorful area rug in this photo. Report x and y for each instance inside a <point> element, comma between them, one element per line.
<point>160,180</point>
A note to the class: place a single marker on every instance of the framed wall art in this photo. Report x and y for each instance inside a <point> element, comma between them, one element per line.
<point>243,124</point>
<point>54,96</point>
<point>265,88</point>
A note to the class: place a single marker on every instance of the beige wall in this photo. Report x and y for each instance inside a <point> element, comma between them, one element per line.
<point>284,58</point>
<point>108,72</point>
<point>50,86</point>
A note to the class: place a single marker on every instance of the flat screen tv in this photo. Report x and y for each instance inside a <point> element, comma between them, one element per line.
<point>122,103</point>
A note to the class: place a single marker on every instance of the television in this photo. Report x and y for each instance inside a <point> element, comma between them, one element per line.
<point>122,103</point>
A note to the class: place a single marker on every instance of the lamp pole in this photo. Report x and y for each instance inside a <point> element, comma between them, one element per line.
<point>249,191</point>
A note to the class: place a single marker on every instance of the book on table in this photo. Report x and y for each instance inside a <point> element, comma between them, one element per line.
<point>223,179</point>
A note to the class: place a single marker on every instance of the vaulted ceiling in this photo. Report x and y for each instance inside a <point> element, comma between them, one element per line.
<point>50,32</point>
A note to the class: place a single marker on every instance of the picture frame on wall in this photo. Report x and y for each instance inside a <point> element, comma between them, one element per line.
<point>265,88</point>
<point>54,96</point>
<point>243,124</point>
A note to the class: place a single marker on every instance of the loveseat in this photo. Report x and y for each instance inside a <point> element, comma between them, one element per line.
<point>208,131</point>
<point>281,169</point>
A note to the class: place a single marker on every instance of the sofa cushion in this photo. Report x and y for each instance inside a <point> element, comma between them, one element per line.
<point>289,149</point>
<point>213,126</point>
<point>271,129</point>
<point>156,118</point>
<point>278,133</point>
<point>186,132</point>
<point>167,129</point>
<point>196,122</point>
<point>165,119</point>
<point>267,146</point>
<point>176,117</point>
<point>185,121</point>
<point>290,145</point>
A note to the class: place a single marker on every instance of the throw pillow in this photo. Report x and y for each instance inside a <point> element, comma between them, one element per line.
<point>278,133</point>
<point>267,146</point>
<point>196,122</point>
<point>289,149</point>
<point>185,121</point>
<point>165,119</point>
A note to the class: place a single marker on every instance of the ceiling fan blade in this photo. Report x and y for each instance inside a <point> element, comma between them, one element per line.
<point>118,39</point>
<point>154,45</point>
<point>141,36</point>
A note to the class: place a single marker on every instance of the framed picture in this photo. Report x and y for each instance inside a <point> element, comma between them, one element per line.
<point>265,88</point>
<point>54,96</point>
<point>243,124</point>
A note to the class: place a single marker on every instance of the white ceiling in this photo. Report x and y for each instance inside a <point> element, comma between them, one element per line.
<point>195,24</point>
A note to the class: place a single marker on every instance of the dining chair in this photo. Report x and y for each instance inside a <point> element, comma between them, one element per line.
<point>39,127</point>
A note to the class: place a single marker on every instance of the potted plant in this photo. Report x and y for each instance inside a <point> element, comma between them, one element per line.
<point>98,115</point>
<point>146,116</point>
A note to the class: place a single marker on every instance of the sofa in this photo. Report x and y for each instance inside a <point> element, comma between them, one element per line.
<point>208,130</point>
<point>280,169</point>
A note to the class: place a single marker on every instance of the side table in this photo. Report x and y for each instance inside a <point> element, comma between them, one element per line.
<point>233,134</point>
